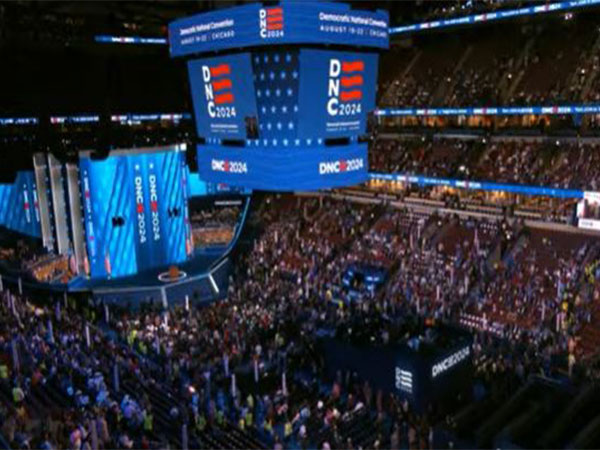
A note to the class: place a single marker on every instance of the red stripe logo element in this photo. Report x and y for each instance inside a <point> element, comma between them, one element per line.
<point>356,66</point>
<point>344,88</point>
<point>218,90</point>
<point>220,70</point>
<point>224,83</point>
<point>222,99</point>
<point>348,96</point>
<point>274,12</point>
<point>356,80</point>
<point>271,22</point>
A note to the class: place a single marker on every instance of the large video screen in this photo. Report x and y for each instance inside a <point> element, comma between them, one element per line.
<point>223,95</point>
<point>287,169</point>
<point>135,209</point>
<point>19,209</point>
<point>588,211</point>
<point>337,91</point>
<point>289,22</point>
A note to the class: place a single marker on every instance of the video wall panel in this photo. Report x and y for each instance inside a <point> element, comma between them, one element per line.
<point>19,206</point>
<point>135,211</point>
<point>223,95</point>
<point>337,91</point>
<point>287,169</point>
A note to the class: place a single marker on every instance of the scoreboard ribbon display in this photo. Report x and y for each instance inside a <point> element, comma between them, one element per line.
<point>491,111</point>
<point>135,211</point>
<point>423,180</point>
<point>223,95</point>
<point>337,90</point>
<point>306,22</point>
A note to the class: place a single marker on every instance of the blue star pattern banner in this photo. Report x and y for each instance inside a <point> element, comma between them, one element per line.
<point>276,78</point>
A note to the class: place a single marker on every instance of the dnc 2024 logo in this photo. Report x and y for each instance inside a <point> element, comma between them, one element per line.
<point>270,21</point>
<point>224,165</point>
<point>140,206</point>
<point>344,89</point>
<point>341,166</point>
<point>218,90</point>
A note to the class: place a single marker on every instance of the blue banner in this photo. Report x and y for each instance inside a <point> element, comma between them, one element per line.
<point>143,219</point>
<point>170,213</point>
<point>186,189</point>
<point>19,209</point>
<point>306,22</point>
<point>491,16</point>
<point>277,74</point>
<point>112,246</point>
<point>491,111</point>
<point>422,180</point>
<point>223,95</point>
<point>88,214</point>
<point>337,90</point>
<point>284,168</point>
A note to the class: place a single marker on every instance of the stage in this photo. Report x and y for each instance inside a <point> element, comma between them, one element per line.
<point>199,264</point>
<point>203,278</point>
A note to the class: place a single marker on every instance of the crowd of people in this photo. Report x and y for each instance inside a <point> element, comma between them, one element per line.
<point>454,9</point>
<point>24,255</point>
<point>566,164</point>
<point>246,372</point>
<point>214,226</point>
<point>508,65</point>
<point>53,269</point>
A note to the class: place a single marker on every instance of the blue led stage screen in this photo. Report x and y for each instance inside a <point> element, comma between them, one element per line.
<point>135,211</point>
<point>19,209</point>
